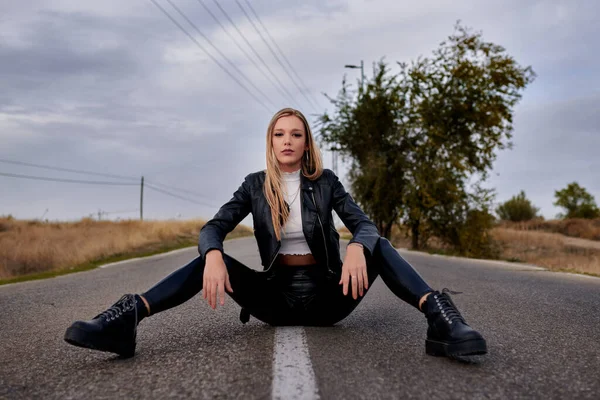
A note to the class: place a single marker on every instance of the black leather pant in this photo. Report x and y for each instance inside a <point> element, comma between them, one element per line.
<point>292,295</point>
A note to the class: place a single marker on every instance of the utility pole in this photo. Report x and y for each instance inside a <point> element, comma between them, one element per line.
<point>142,200</point>
<point>362,71</point>
<point>334,160</point>
<point>334,157</point>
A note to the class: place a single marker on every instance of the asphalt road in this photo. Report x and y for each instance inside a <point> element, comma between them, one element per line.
<point>542,328</point>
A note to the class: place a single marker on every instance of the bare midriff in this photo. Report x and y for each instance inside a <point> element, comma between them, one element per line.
<point>296,259</point>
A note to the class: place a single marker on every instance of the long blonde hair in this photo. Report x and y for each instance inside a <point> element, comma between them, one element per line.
<point>312,168</point>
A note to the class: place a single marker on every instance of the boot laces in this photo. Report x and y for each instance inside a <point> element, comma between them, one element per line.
<point>446,306</point>
<point>125,304</point>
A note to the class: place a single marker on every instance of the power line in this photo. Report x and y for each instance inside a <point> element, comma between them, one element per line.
<point>254,50</point>
<point>244,51</point>
<point>86,172</point>
<point>178,189</point>
<point>317,125</point>
<point>280,52</point>
<point>274,54</point>
<point>66,169</point>
<point>210,55</point>
<point>44,178</point>
<point>180,197</point>
<point>219,51</point>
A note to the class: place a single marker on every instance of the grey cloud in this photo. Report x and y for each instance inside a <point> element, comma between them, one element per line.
<point>555,144</point>
<point>122,90</point>
<point>62,45</point>
<point>576,115</point>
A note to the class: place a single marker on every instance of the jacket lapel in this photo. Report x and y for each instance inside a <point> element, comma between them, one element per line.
<point>308,210</point>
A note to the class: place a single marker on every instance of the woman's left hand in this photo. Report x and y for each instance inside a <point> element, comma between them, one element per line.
<point>354,271</point>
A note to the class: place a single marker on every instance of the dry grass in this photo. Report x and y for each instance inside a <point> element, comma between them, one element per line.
<point>28,247</point>
<point>575,227</point>
<point>554,251</point>
<point>550,250</point>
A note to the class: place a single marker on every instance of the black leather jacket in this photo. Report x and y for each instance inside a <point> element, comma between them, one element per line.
<point>319,198</point>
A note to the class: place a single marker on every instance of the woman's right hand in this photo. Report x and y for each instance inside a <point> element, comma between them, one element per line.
<point>216,278</point>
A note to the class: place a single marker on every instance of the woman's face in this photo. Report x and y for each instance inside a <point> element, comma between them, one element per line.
<point>289,142</point>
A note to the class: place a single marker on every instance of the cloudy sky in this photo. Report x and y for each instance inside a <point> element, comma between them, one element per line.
<point>115,87</point>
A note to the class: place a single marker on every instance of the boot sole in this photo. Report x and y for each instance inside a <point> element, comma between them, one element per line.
<point>81,338</point>
<point>466,348</point>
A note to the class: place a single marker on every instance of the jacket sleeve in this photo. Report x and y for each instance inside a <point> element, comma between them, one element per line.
<point>225,220</point>
<point>363,230</point>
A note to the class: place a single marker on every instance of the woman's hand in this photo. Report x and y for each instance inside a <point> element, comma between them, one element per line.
<point>216,279</point>
<point>354,270</point>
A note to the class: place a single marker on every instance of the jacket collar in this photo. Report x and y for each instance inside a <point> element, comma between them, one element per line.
<point>305,182</point>
<point>308,193</point>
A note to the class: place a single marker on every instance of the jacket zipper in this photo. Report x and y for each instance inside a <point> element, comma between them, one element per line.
<point>276,250</point>
<point>322,229</point>
<point>274,257</point>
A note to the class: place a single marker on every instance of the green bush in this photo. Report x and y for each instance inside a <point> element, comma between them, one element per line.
<point>468,233</point>
<point>577,202</point>
<point>474,238</point>
<point>517,209</point>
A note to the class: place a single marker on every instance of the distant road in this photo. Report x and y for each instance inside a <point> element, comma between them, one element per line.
<point>542,328</point>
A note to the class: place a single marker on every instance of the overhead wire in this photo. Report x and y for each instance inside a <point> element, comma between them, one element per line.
<point>261,70</point>
<point>219,51</point>
<point>274,54</point>
<point>53,179</point>
<point>76,171</point>
<point>180,197</point>
<point>209,54</point>
<point>281,52</point>
<point>254,51</point>
<point>45,178</point>
<point>218,63</point>
<point>177,189</point>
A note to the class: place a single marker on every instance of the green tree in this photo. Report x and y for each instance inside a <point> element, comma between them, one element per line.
<point>577,202</point>
<point>368,132</point>
<point>463,97</point>
<point>518,208</point>
<point>418,137</point>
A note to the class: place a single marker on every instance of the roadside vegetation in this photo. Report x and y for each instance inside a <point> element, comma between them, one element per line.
<point>36,249</point>
<point>543,244</point>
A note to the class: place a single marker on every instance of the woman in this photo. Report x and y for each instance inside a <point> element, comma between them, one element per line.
<point>291,203</point>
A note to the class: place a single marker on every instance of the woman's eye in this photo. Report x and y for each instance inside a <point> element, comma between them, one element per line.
<point>295,134</point>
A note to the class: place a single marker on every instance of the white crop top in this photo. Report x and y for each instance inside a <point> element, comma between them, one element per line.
<point>292,237</point>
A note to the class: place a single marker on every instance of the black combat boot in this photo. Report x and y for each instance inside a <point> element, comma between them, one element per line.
<point>113,330</point>
<point>448,333</point>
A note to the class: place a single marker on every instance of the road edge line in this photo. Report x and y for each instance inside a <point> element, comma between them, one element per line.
<point>514,265</point>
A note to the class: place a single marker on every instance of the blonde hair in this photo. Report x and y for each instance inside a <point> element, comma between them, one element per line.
<point>312,168</point>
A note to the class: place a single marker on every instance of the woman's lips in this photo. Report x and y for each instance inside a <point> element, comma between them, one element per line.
<point>287,152</point>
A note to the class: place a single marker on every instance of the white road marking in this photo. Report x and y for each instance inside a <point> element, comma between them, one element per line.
<point>152,257</point>
<point>513,265</point>
<point>293,375</point>
<point>163,255</point>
